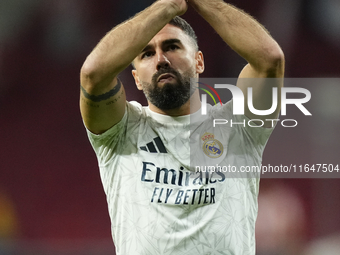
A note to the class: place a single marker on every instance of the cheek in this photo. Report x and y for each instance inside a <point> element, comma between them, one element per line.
<point>188,67</point>
<point>187,62</point>
<point>146,72</point>
<point>140,74</point>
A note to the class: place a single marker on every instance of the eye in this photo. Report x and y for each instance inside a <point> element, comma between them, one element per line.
<point>147,54</point>
<point>173,47</point>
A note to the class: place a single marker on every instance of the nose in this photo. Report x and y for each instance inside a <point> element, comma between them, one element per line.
<point>162,61</point>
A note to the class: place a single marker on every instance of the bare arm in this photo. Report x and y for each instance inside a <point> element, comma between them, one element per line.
<point>252,42</point>
<point>102,99</point>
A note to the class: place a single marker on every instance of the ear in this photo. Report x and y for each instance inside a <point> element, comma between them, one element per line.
<point>199,62</point>
<point>137,81</point>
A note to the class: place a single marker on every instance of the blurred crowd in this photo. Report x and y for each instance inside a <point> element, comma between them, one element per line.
<point>42,47</point>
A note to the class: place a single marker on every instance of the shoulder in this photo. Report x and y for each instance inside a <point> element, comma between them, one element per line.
<point>134,107</point>
<point>135,110</point>
<point>224,110</point>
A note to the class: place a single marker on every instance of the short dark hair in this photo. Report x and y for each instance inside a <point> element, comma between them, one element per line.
<point>186,28</point>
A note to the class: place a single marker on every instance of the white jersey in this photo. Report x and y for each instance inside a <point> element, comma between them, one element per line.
<point>158,204</point>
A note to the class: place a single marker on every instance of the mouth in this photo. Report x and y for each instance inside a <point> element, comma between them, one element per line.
<point>165,78</point>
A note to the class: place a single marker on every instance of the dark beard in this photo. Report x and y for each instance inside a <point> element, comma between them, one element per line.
<point>169,96</point>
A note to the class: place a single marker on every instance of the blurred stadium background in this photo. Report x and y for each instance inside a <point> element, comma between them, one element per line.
<point>51,198</point>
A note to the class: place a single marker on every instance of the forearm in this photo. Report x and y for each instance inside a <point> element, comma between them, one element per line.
<point>123,43</point>
<point>242,33</point>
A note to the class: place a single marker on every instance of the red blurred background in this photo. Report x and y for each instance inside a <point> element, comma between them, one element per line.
<point>51,198</point>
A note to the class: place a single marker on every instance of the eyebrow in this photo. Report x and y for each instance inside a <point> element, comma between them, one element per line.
<point>164,43</point>
<point>171,41</point>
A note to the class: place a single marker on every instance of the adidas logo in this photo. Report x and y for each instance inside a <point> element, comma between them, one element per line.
<point>156,146</point>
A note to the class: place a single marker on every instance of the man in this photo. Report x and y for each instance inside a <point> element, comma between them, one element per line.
<point>157,203</point>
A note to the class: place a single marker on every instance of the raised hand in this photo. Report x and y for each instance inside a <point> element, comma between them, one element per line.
<point>180,6</point>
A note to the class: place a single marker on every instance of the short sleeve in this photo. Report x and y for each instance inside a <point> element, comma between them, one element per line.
<point>253,136</point>
<point>106,144</point>
<point>114,140</point>
<point>256,135</point>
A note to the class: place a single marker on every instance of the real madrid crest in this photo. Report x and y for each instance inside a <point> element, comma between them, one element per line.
<point>212,147</point>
